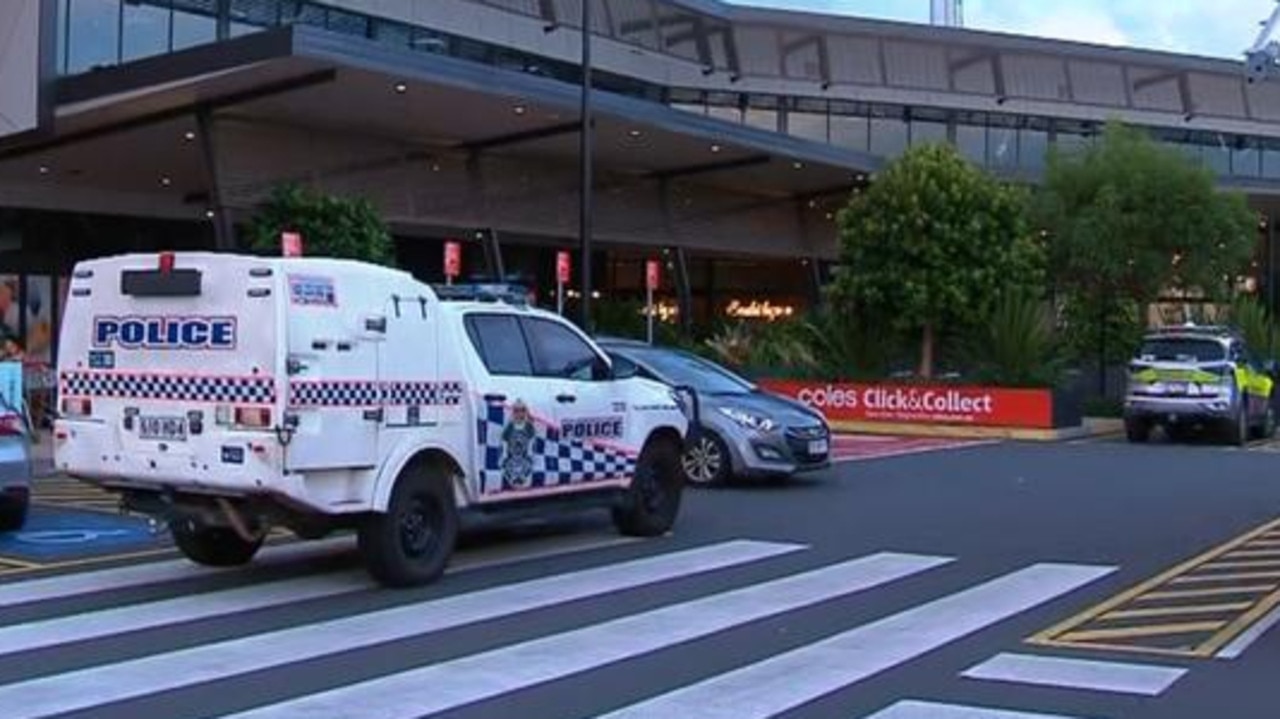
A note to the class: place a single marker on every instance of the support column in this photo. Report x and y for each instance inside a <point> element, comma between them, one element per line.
<point>585,179</point>
<point>684,290</point>
<point>1271,283</point>
<point>223,229</point>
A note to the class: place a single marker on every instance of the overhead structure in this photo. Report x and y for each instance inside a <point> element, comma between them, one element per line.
<point>1262,60</point>
<point>949,13</point>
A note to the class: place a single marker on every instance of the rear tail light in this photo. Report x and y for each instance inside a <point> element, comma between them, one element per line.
<point>11,425</point>
<point>256,417</point>
<point>77,407</point>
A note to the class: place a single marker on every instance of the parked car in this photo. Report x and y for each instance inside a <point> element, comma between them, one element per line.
<point>15,468</point>
<point>1194,376</point>
<point>745,431</point>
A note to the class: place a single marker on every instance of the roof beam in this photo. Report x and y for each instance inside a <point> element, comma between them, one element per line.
<point>516,138</point>
<point>631,27</point>
<point>705,168</point>
<point>819,42</point>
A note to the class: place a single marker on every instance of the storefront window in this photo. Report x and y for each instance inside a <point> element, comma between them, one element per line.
<point>928,127</point>
<point>850,131</point>
<point>1002,145</point>
<point>146,29</point>
<point>762,112</point>
<point>253,15</point>
<point>809,125</point>
<point>889,134</point>
<point>1271,160</point>
<point>1033,146</point>
<point>93,34</point>
<point>1216,152</point>
<point>194,22</point>
<point>1246,158</point>
<point>971,141</point>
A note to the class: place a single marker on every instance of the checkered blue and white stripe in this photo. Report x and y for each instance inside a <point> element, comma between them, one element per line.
<point>187,388</point>
<point>360,393</point>
<point>554,461</point>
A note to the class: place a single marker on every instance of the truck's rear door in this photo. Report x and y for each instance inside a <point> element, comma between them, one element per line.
<point>163,356</point>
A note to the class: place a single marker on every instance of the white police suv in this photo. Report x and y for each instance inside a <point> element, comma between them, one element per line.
<point>227,394</point>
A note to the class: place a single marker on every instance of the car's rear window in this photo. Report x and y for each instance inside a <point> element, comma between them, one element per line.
<point>1182,349</point>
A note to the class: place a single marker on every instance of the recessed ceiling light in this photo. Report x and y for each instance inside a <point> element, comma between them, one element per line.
<point>401,88</point>
<point>797,165</point>
<point>715,148</point>
<point>166,181</point>
<point>208,214</point>
<point>435,168</point>
<point>634,133</point>
<point>518,109</point>
<point>44,169</point>
<point>189,136</point>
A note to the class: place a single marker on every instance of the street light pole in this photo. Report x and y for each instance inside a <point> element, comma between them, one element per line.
<point>584,157</point>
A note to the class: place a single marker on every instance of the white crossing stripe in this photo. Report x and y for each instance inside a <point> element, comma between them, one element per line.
<point>483,676</point>
<point>93,686</point>
<point>117,620</point>
<point>1245,640</point>
<point>911,709</point>
<point>67,585</point>
<point>1067,673</point>
<point>788,680</point>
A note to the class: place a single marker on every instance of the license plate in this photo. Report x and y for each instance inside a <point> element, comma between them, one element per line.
<point>173,429</point>
<point>818,446</point>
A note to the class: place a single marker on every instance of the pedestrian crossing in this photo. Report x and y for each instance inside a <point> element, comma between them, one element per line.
<point>175,640</point>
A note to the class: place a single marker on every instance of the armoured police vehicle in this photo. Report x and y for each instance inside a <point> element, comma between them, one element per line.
<point>226,395</point>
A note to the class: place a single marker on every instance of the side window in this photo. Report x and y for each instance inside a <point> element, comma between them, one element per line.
<point>623,366</point>
<point>559,352</point>
<point>500,344</point>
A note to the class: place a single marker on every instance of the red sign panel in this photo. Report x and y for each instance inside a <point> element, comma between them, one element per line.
<point>452,258</point>
<point>291,244</point>
<point>564,265</point>
<point>652,274</point>
<point>925,404</point>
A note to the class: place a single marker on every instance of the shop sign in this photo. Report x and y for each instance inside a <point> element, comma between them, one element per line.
<point>931,404</point>
<point>755,309</point>
<point>452,259</point>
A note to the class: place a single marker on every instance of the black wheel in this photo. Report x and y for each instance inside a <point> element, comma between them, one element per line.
<point>13,514</point>
<point>411,543</point>
<point>1137,430</point>
<point>653,500</point>
<point>212,546</point>
<point>706,462</point>
<point>1238,430</point>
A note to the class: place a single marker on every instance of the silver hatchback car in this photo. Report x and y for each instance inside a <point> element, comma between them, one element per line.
<point>745,432</point>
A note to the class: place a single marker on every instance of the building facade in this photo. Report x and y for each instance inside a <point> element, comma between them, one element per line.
<point>725,137</point>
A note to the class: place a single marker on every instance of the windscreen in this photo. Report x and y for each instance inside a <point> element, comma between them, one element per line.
<point>1182,349</point>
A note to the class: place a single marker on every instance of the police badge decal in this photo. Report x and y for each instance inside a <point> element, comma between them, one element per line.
<point>517,440</point>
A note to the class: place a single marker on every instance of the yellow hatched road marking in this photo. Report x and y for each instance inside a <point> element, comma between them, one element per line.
<point>1154,630</point>
<point>1178,610</point>
<point>1255,564</point>
<point>1201,593</point>
<point>1253,599</point>
<point>1237,577</point>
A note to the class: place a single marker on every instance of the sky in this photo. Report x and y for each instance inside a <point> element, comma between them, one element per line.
<point>1216,28</point>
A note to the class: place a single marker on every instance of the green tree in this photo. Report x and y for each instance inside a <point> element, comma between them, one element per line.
<point>346,228</point>
<point>931,245</point>
<point>1130,219</point>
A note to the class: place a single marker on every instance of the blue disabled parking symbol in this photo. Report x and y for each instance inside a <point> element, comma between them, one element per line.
<point>57,534</point>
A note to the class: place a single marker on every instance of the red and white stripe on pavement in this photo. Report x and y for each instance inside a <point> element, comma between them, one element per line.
<point>863,447</point>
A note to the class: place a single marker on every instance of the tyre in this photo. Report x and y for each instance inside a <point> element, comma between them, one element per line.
<point>1178,432</point>
<point>1137,430</point>
<point>707,462</point>
<point>652,501</point>
<point>410,544</point>
<point>1238,430</point>
<point>212,546</point>
<point>1267,425</point>
<point>13,514</point>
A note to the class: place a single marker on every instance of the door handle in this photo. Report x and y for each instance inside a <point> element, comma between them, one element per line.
<point>495,398</point>
<point>565,398</point>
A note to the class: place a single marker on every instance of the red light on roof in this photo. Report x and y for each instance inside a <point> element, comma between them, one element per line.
<point>166,261</point>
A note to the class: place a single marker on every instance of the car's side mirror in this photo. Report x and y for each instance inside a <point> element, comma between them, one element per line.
<point>625,370</point>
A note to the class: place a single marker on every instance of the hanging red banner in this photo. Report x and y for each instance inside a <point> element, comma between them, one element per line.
<point>564,265</point>
<point>291,244</point>
<point>452,258</point>
<point>652,275</point>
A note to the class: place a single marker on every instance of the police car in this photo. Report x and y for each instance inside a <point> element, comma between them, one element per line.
<point>226,395</point>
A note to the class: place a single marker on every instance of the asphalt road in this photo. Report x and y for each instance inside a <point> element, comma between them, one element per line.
<point>898,588</point>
